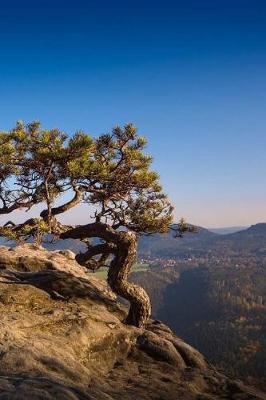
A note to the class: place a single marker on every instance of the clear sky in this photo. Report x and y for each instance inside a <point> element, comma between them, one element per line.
<point>190,74</point>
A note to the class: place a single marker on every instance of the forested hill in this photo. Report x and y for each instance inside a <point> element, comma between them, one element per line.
<point>228,229</point>
<point>166,245</point>
<point>251,241</point>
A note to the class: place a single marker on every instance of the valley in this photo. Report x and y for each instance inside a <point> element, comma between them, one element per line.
<point>211,290</point>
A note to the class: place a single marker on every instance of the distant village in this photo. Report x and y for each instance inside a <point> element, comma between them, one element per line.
<point>201,261</point>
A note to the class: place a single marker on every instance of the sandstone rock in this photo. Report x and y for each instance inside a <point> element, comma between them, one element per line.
<point>160,349</point>
<point>192,357</point>
<point>62,337</point>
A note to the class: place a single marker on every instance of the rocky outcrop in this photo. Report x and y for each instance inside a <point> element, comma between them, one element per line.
<point>61,337</point>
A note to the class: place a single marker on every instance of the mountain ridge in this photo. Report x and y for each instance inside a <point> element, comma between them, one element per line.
<point>251,241</point>
<point>228,229</point>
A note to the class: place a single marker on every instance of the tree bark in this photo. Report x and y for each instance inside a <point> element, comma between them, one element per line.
<point>120,266</point>
<point>140,306</point>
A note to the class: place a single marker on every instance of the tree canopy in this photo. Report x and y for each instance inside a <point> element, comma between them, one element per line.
<point>110,173</point>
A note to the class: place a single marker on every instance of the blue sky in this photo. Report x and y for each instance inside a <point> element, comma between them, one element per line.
<point>189,74</point>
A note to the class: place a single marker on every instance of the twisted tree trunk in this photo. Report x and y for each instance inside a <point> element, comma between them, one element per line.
<point>124,257</point>
<point>140,306</point>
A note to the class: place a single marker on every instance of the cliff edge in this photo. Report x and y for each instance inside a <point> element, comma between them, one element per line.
<point>62,337</point>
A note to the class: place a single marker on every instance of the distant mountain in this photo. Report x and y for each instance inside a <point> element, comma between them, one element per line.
<point>250,241</point>
<point>166,245</point>
<point>67,244</point>
<point>227,230</point>
<point>257,228</point>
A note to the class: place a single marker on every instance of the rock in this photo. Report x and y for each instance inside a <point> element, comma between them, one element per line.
<point>62,337</point>
<point>160,349</point>
<point>192,357</point>
<point>32,258</point>
<point>39,388</point>
<point>68,254</point>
